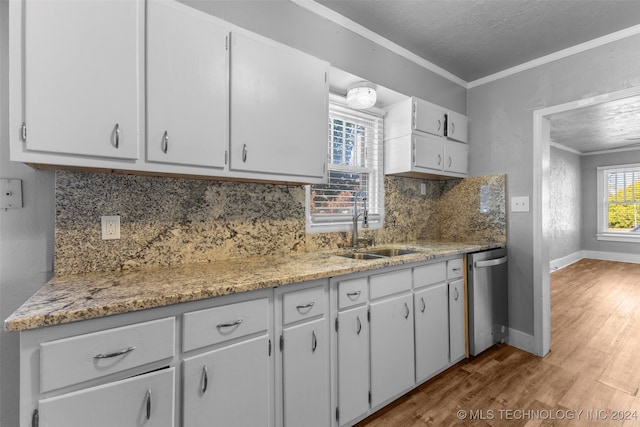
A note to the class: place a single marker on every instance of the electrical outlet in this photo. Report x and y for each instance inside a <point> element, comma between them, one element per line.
<point>110,227</point>
<point>423,188</point>
<point>520,204</point>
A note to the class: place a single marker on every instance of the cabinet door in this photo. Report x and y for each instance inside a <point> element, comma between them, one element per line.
<point>432,331</point>
<point>186,86</point>
<point>455,158</point>
<point>428,118</point>
<point>306,375</point>
<point>353,364</point>
<point>143,400</point>
<point>392,349</point>
<point>82,77</point>
<point>457,127</point>
<point>230,385</point>
<point>428,152</point>
<point>279,109</point>
<point>457,334</point>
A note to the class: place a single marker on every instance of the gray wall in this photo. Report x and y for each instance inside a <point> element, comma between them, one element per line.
<point>589,201</point>
<point>501,135</point>
<point>26,243</point>
<point>565,204</point>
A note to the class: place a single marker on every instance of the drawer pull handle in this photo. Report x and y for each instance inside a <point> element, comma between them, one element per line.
<point>353,294</point>
<point>115,354</point>
<point>314,341</point>
<point>116,132</point>
<point>165,142</point>
<point>406,316</point>
<point>305,306</point>
<point>424,305</point>
<point>229,325</point>
<point>205,379</point>
<point>244,153</point>
<point>149,404</point>
<point>359,324</point>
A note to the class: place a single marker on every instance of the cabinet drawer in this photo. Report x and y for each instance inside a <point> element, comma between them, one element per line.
<point>381,285</point>
<point>429,274</point>
<point>219,324</point>
<point>303,304</point>
<point>144,400</point>
<point>352,292</point>
<point>454,268</point>
<point>76,359</point>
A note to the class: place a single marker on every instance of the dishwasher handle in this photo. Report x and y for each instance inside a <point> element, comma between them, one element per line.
<point>490,262</point>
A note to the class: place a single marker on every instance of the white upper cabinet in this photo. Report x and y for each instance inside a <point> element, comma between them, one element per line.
<point>81,80</point>
<point>279,109</point>
<point>457,127</point>
<point>427,117</point>
<point>187,96</point>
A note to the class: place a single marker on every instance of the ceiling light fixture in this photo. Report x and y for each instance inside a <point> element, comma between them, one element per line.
<point>362,95</point>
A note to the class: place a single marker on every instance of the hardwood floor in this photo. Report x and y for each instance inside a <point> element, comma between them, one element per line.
<point>592,371</point>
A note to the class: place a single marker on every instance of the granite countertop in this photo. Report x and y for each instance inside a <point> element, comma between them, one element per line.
<point>72,298</point>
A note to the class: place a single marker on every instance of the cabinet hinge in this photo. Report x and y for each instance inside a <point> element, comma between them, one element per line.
<point>226,157</point>
<point>368,314</point>
<point>337,413</point>
<point>23,132</point>
<point>269,348</point>
<point>281,342</point>
<point>226,43</point>
<point>35,418</point>
<point>336,324</point>
<point>446,124</point>
<point>413,115</point>
<point>369,397</point>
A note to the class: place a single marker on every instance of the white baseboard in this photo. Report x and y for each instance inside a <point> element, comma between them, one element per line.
<point>613,256</point>
<point>521,340</point>
<point>566,261</point>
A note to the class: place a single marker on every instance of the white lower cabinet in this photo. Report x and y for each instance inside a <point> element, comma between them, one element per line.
<point>392,351</point>
<point>302,314</point>
<point>432,334</point>
<point>223,384</point>
<point>457,330</point>
<point>145,400</point>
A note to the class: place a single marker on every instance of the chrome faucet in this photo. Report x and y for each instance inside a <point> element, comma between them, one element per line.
<point>356,215</point>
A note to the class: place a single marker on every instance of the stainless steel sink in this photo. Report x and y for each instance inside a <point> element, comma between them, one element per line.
<point>378,253</point>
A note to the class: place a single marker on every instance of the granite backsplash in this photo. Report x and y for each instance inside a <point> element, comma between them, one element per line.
<point>167,221</point>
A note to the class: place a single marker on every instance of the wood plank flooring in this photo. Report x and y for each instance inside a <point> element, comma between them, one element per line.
<point>591,376</point>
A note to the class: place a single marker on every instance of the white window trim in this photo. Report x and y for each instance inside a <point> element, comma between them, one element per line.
<point>602,224</point>
<point>376,221</point>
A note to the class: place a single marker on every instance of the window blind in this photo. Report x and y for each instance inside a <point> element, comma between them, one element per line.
<point>355,165</point>
<point>619,199</point>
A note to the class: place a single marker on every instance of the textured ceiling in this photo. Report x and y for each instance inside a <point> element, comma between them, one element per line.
<point>614,124</point>
<point>475,38</point>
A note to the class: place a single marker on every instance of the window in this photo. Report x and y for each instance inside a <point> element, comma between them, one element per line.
<point>355,168</point>
<point>619,203</point>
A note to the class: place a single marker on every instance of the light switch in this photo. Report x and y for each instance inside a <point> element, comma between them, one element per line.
<point>10,193</point>
<point>520,204</point>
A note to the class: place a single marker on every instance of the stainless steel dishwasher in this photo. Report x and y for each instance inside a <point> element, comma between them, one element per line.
<point>487,299</point>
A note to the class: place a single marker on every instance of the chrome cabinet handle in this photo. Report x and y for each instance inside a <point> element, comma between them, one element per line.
<point>244,153</point>
<point>453,128</point>
<point>406,316</point>
<point>353,294</point>
<point>314,341</point>
<point>229,325</point>
<point>114,354</point>
<point>449,161</point>
<point>439,159</point>
<point>439,124</point>
<point>165,142</point>
<point>457,294</point>
<point>305,306</point>
<point>424,305</point>
<point>205,379</point>
<point>117,135</point>
<point>359,329</point>
<point>149,404</point>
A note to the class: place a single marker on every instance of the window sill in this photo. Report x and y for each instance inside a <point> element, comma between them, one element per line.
<point>619,237</point>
